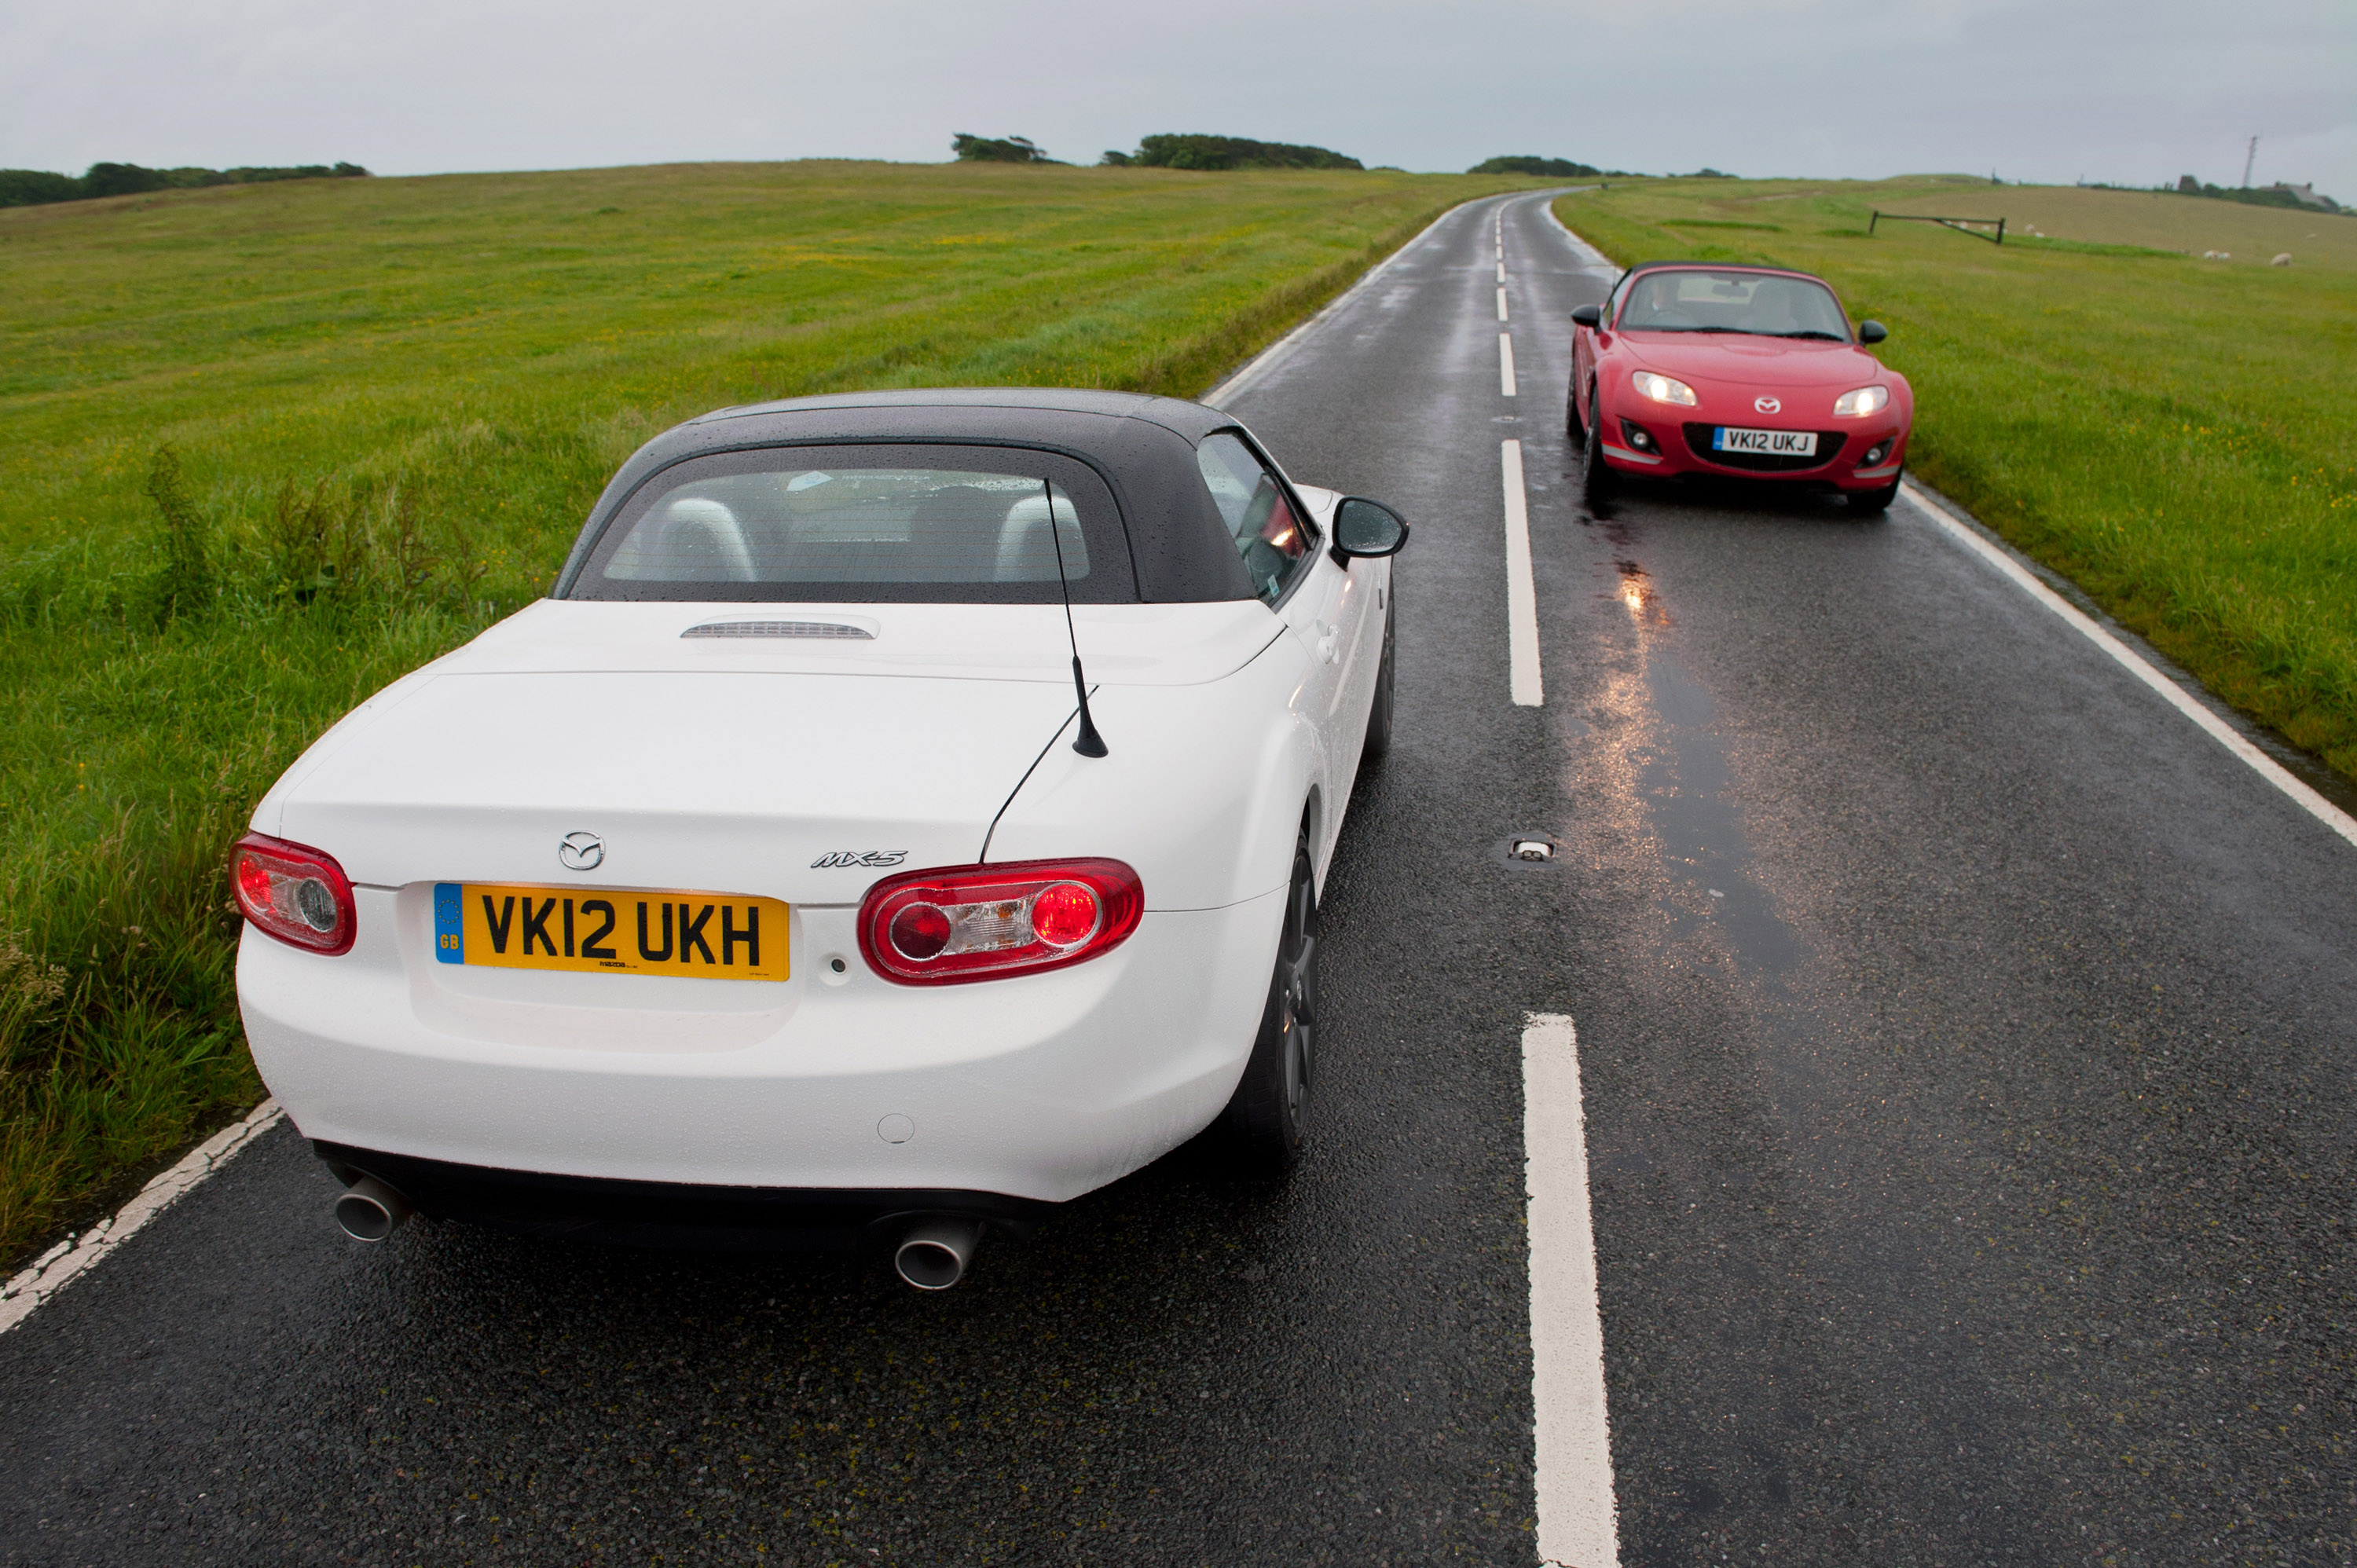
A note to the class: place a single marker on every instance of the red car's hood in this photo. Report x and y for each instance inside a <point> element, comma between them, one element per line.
<point>1738,361</point>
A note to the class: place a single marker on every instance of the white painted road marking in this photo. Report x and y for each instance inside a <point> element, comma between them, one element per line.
<point>1501,271</point>
<point>1521,595</point>
<point>1573,1429</point>
<point>1588,255</point>
<point>2266,766</point>
<point>1506,364</point>
<point>55,1269</point>
<point>1501,305</point>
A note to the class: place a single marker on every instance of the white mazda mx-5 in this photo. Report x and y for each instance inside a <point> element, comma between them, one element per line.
<point>904,815</point>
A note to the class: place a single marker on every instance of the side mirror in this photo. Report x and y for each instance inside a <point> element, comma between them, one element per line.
<point>1872,331</point>
<point>1588,315</point>
<point>1367,530</point>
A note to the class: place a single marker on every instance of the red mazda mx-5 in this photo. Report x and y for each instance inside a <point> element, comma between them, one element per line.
<point>1745,372</point>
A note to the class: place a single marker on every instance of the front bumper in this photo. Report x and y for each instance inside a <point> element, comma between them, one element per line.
<point>1677,447</point>
<point>1040,1087</point>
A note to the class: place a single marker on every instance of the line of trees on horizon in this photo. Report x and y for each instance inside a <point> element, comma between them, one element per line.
<point>1169,150</point>
<point>1197,150</point>
<point>38,188</point>
<point>2302,197</point>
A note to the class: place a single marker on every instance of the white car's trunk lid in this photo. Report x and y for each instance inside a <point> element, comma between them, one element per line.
<point>796,785</point>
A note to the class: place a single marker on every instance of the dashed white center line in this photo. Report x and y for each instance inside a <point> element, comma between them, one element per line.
<point>1506,364</point>
<point>1521,595</point>
<point>1573,1431</point>
<point>1502,271</point>
<point>1501,305</point>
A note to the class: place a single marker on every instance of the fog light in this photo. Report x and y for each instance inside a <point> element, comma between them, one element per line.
<point>1875,454</point>
<point>1637,436</point>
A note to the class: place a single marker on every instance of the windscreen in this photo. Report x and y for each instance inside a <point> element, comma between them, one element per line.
<point>1759,304</point>
<point>946,524</point>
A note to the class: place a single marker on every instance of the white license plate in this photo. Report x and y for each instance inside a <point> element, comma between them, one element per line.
<point>1772,443</point>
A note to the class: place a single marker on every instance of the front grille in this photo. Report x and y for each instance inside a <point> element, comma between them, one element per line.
<point>777,628</point>
<point>1829,446</point>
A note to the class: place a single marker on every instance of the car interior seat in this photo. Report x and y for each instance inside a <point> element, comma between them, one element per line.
<point>697,540</point>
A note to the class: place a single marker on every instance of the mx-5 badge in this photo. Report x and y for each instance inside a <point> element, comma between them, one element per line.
<point>858,858</point>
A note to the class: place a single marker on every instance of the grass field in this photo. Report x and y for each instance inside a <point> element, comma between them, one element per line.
<point>268,446</point>
<point>2178,437</point>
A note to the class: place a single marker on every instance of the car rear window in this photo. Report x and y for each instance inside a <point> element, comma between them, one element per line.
<point>1759,304</point>
<point>946,524</point>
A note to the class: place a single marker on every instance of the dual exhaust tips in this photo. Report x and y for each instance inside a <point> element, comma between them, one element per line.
<point>933,1254</point>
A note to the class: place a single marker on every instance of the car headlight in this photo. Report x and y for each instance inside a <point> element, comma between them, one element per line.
<point>1662,389</point>
<point>1864,400</point>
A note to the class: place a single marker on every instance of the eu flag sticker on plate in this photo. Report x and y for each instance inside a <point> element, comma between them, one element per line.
<point>449,922</point>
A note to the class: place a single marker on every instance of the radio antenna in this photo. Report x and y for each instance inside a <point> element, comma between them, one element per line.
<point>1088,742</point>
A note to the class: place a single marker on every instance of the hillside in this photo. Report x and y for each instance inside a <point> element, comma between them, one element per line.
<point>2159,220</point>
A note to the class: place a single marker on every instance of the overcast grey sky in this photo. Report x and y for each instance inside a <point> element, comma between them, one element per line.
<point>2127,91</point>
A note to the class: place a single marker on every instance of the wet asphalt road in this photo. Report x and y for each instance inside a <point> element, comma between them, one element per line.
<point>1966,1044</point>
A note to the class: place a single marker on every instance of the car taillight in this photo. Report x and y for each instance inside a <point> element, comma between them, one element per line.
<point>982,922</point>
<point>295,893</point>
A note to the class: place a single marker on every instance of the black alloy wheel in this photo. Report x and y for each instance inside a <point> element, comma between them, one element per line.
<point>1874,503</point>
<point>1270,1108</point>
<point>1379,716</point>
<point>1597,479</point>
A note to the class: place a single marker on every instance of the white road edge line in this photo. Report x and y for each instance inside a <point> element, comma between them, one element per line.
<point>1505,364</point>
<point>1277,353</point>
<point>1571,1426</point>
<point>71,1257</point>
<point>1501,304</point>
<point>1589,257</point>
<point>1521,595</point>
<point>2135,664</point>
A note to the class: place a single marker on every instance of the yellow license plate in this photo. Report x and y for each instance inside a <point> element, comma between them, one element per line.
<point>705,935</point>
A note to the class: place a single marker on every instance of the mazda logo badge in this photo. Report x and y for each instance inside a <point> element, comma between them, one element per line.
<point>580,851</point>
<point>1766,405</point>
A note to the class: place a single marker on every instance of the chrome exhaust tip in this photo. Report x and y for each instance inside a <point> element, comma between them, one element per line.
<point>370,1211</point>
<point>934,1253</point>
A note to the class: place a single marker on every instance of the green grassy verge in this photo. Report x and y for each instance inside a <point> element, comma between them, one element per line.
<point>268,446</point>
<point>2177,436</point>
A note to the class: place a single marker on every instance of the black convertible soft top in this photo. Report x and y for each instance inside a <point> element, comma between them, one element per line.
<point>1143,447</point>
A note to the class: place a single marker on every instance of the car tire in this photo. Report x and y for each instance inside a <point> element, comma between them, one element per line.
<point>1379,716</point>
<point>1874,503</point>
<point>1270,1109</point>
<point>1572,427</point>
<point>1597,481</point>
